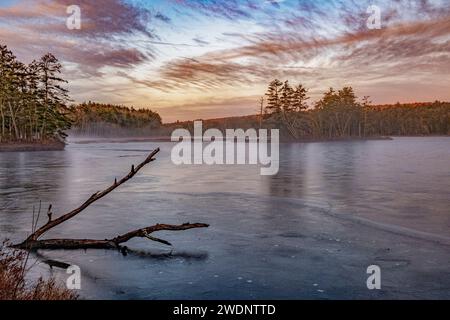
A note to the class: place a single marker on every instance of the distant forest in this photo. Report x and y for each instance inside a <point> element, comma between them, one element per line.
<point>35,107</point>
<point>96,119</point>
<point>339,114</point>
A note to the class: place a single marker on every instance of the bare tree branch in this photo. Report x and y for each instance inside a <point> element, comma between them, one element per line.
<point>33,242</point>
<point>96,196</point>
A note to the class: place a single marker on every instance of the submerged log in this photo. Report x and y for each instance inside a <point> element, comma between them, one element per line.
<point>33,242</point>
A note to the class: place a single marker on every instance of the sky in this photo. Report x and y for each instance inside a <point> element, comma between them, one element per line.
<point>193,59</point>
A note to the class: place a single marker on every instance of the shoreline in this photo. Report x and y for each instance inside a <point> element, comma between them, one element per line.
<point>32,146</point>
<point>60,146</point>
<point>168,139</point>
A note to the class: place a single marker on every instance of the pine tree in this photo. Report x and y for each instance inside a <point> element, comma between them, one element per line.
<point>273,97</point>
<point>32,100</point>
<point>286,99</point>
<point>299,98</point>
<point>6,65</point>
<point>54,96</point>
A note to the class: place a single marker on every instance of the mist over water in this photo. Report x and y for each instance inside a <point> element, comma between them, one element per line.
<point>310,231</point>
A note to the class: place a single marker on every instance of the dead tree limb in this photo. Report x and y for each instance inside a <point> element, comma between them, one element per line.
<point>33,242</point>
<point>96,196</point>
<point>113,243</point>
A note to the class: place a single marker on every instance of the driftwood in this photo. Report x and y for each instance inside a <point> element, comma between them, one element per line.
<point>33,242</point>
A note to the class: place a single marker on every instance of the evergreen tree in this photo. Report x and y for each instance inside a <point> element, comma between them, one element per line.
<point>54,96</point>
<point>299,98</point>
<point>287,96</point>
<point>273,97</point>
<point>32,100</point>
<point>339,114</point>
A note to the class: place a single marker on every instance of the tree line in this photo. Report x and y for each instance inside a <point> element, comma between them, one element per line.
<point>33,101</point>
<point>34,108</point>
<point>34,105</point>
<point>339,114</point>
<point>97,119</point>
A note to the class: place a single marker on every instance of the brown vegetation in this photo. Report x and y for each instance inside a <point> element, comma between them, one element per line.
<point>24,146</point>
<point>13,283</point>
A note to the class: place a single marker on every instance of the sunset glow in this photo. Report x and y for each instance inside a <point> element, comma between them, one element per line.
<point>190,59</point>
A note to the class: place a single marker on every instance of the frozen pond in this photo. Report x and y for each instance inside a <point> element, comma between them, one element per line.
<point>310,232</point>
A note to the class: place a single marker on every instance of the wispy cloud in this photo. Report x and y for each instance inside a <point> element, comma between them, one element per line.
<point>180,53</point>
<point>38,26</point>
<point>288,52</point>
<point>231,9</point>
<point>101,18</point>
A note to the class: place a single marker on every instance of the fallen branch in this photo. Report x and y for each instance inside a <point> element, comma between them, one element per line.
<point>33,242</point>
<point>107,243</point>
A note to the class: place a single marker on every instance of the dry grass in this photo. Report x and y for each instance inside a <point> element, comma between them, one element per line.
<point>13,284</point>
